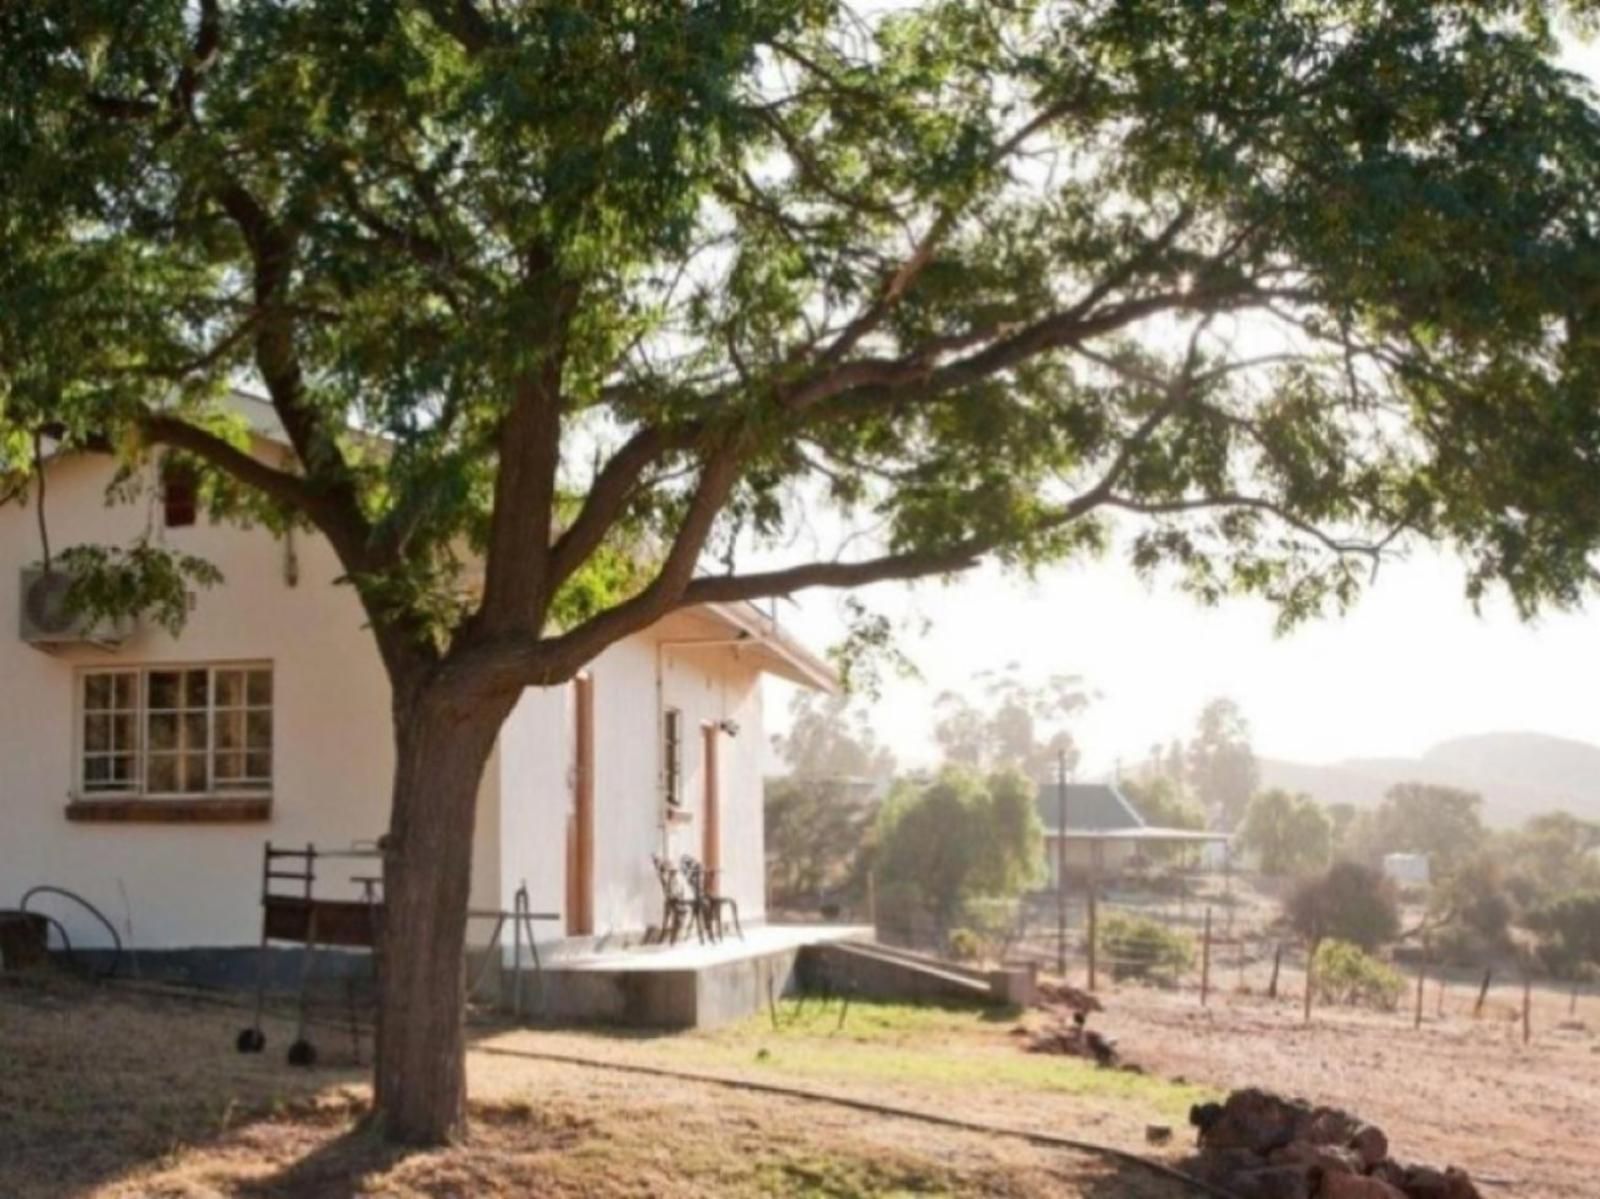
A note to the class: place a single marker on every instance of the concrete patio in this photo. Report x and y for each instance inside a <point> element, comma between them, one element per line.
<point>687,985</point>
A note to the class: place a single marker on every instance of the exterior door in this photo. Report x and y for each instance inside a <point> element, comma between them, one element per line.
<point>580,825</point>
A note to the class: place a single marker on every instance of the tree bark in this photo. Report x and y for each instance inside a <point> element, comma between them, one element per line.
<point>441,750</point>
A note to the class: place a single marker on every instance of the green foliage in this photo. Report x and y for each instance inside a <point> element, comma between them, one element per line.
<point>143,579</point>
<point>1139,947</point>
<point>957,839</point>
<point>1347,902</point>
<point>1005,721</point>
<point>1161,801</point>
<point>1291,832</point>
<point>1474,898</point>
<point>1442,822</point>
<point>1347,975</point>
<point>965,945</point>
<point>1569,932</point>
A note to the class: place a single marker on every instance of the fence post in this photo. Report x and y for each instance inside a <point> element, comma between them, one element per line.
<point>1422,978</point>
<point>1205,961</point>
<point>1311,977</point>
<point>1094,933</point>
<point>1277,961</point>
<point>1483,993</point>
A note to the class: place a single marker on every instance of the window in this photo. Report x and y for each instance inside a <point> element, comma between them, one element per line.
<point>672,757</point>
<point>176,731</point>
<point>179,498</point>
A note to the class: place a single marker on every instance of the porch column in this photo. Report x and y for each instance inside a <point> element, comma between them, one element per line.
<point>711,844</point>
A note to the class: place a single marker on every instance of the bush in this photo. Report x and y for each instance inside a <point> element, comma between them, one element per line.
<point>1347,902</point>
<point>1139,947</point>
<point>965,945</point>
<point>1346,975</point>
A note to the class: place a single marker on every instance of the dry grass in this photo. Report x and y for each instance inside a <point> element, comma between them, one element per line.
<point>110,1095</point>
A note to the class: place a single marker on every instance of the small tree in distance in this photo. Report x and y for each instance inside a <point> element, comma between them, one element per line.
<point>1291,833</point>
<point>1348,902</point>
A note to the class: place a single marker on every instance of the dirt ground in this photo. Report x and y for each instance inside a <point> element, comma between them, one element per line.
<point>1525,1120</point>
<point>109,1095</point>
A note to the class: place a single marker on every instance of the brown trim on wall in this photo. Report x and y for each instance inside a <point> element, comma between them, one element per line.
<point>230,810</point>
<point>580,863</point>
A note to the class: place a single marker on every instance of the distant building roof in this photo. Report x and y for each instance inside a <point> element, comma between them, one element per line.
<point>1091,808</point>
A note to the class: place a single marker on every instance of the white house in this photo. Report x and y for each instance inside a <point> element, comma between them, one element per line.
<point>147,775</point>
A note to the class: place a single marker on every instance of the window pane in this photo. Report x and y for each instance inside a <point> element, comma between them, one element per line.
<point>124,685</point>
<point>96,733</point>
<point>122,770</point>
<point>230,767</point>
<point>163,689</point>
<point>194,731</point>
<point>161,773</point>
<point>229,730</point>
<point>258,730</point>
<point>260,688</point>
<point>163,730</point>
<point>96,770</point>
<point>194,774</point>
<point>124,733</point>
<point>194,689</point>
<point>258,765</point>
<point>97,691</point>
<point>230,689</point>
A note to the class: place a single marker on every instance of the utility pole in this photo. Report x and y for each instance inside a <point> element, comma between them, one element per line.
<point>1061,863</point>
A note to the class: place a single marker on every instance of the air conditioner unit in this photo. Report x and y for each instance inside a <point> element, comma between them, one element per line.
<point>46,620</point>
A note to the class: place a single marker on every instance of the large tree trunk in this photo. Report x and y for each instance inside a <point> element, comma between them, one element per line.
<point>441,749</point>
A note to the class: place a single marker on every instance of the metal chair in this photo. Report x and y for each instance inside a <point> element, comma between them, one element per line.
<point>676,907</point>
<point>708,904</point>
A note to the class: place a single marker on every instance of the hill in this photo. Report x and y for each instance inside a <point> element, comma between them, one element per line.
<point>1518,775</point>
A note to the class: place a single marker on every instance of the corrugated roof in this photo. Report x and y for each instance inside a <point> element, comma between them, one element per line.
<point>1091,807</point>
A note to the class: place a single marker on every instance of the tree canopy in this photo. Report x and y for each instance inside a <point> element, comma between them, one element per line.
<point>575,313</point>
<point>1292,833</point>
<point>1289,284</point>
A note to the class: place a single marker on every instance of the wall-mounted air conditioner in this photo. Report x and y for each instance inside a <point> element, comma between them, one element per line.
<point>47,621</point>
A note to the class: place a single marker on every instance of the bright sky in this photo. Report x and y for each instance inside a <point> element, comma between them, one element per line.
<point>1409,666</point>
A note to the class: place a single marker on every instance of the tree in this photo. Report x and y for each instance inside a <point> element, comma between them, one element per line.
<point>1222,766</point>
<point>1020,725</point>
<point>1552,854</point>
<point>1347,902</point>
<point>957,839</point>
<point>573,313</point>
<point>1569,928</point>
<point>1290,832</point>
<point>819,816</point>
<point>1442,822</point>
<point>1161,801</point>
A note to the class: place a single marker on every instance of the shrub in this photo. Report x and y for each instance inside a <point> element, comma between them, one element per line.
<point>1139,947</point>
<point>1347,975</point>
<point>965,945</point>
<point>1347,902</point>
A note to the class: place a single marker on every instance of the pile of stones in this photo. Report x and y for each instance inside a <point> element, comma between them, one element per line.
<point>1258,1145</point>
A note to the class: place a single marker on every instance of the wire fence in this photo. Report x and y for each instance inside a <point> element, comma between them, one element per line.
<point>1218,939</point>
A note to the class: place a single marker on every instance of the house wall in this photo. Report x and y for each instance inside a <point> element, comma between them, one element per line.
<point>185,885</point>
<point>536,781</point>
<point>198,885</point>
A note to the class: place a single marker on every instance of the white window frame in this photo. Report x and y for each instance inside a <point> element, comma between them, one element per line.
<point>254,787</point>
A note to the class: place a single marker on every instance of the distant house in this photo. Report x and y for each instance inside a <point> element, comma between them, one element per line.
<point>1406,869</point>
<point>1102,829</point>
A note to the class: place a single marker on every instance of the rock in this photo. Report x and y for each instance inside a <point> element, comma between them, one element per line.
<point>1331,1159</point>
<point>1271,1182</point>
<point>1216,1166</point>
<point>1256,1120</point>
<point>1328,1126</point>
<point>1371,1143</point>
<point>1424,1182</point>
<point>1157,1134</point>
<point>1354,1186</point>
<point>1391,1172</point>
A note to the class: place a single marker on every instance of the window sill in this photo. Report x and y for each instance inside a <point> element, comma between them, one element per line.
<point>244,809</point>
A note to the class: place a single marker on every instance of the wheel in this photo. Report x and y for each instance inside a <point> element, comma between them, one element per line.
<point>250,1040</point>
<point>302,1053</point>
